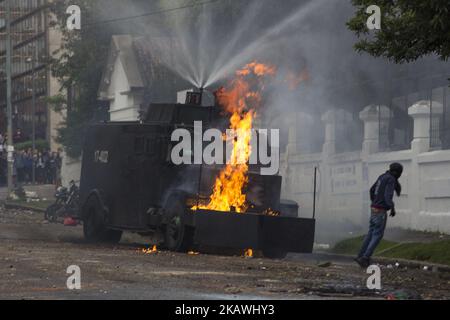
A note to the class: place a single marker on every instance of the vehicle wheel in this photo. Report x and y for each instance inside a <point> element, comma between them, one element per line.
<point>112,236</point>
<point>50,212</point>
<point>178,236</point>
<point>274,253</point>
<point>94,227</point>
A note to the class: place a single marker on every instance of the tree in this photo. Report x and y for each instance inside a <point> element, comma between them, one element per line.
<point>79,63</point>
<point>78,66</point>
<point>410,29</point>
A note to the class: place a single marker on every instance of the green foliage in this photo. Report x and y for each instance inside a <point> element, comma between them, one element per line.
<point>40,145</point>
<point>57,102</point>
<point>79,67</point>
<point>410,29</point>
<point>80,62</point>
<point>434,252</point>
<point>352,246</point>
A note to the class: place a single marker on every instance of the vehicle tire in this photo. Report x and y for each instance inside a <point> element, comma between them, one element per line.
<point>51,212</point>
<point>178,236</point>
<point>271,253</point>
<point>112,236</point>
<point>94,228</point>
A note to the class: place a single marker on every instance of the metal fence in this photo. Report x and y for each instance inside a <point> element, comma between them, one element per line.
<point>396,127</point>
<point>440,118</point>
<point>349,132</point>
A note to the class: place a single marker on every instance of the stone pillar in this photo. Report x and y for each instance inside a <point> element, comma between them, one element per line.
<point>420,112</point>
<point>371,116</point>
<point>292,140</point>
<point>292,136</point>
<point>329,146</point>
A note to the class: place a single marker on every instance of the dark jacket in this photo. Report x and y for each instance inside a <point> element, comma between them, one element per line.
<point>28,162</point>
<point>382,192</point>
<point>19,161</point>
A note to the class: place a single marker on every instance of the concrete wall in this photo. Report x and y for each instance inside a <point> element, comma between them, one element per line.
<point>345,179</point>
<point>70,170</point>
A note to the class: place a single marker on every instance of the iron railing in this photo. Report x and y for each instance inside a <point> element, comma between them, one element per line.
<point>396,127</point>
<point>440,118</point>
<point>349,132</point>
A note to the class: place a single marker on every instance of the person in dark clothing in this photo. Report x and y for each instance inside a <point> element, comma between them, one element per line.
<point>46,158</point>
<point>381,195</point>
<point>20,166</point>
<point>3,169</point>
<point>40,168</point>
<point>58,168</point>
<point>52,163</point>
<point>28,166</point>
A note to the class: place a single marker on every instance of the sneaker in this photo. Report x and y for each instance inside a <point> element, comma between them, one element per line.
<point>362,261</point>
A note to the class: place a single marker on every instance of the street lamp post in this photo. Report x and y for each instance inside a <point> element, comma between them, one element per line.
<point>33,60</point>
<point>33,116</point>
<point>10,148</point>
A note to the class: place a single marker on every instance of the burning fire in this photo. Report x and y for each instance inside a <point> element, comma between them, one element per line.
<point>151,250</point>
<point>271,212</point>
<point>248,253</point>
<point>257,69</point>
<point>241,101</point>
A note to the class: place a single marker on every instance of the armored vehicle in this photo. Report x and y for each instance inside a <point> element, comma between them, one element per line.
<point>129,183</point>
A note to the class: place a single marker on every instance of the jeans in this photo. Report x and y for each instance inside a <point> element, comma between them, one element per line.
<point>378,221</point>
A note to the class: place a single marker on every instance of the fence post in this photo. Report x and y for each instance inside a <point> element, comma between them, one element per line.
<point>329,146</point>
<point>421,112</point>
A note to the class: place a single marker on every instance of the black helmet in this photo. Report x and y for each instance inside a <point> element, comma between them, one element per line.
<point>396,169</point>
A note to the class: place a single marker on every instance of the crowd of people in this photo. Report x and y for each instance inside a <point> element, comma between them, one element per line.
<point>46,164</point>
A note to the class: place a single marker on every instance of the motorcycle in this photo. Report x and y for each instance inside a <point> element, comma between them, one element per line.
<point>65,205</point>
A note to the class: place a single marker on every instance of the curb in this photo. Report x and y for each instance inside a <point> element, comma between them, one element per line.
<point>9,205</point>
<point>403,262</point>
<point>414,264</point>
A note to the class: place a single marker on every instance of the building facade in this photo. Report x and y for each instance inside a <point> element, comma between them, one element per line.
<point>33,43</point>
<point>133,78</point>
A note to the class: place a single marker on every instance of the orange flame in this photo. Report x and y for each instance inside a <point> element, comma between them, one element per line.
<point>271,212</point>
<point>248,253</point>
<point>151,250</point>
<point>258,69</point>
<point>240,101</point>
